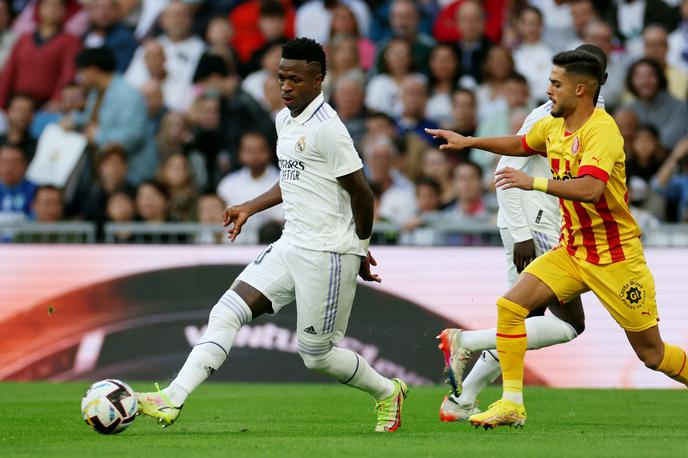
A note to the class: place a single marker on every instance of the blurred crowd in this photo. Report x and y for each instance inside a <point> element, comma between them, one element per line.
<point>176,100</point>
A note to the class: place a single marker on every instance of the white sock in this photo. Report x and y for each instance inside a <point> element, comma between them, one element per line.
<point>513,396</point>
<point>350,369</point>
<point>542,331</point>
<point>484,372</point>
<point>226,317</point>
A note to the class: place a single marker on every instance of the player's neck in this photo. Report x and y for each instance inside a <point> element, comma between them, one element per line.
<point>578,117</point>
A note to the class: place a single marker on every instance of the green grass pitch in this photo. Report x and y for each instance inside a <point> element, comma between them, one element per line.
<point>313,421</point>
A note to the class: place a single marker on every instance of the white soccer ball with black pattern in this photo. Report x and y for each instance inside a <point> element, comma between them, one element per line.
<point>109,406</point>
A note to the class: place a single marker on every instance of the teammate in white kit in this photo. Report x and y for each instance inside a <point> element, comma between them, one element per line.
<point>529,223</point>
<point>328,209</point>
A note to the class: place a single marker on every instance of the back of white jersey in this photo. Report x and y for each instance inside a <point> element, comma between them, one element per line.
<point>314,149</point>
<point>541,210</point>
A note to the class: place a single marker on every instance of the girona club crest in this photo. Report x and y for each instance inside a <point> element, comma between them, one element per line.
<point>575,146</point>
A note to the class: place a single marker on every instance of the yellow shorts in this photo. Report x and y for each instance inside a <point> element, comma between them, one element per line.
<point>625,288</point>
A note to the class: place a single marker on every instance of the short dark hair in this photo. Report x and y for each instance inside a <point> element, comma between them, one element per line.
<point>19,96</point>
<point>646,127</point>
<point>100,58</point>
<point>208,65</point>
<point>515,76</point>
<point>470,164</point>
<point>110,150</point>
<point>431,182</point>
<point>271,8</point>
<point>595,51</point>
<point>533,9</point>
<point>580,62</point>
<point>464,90</point>
<point>305,49</point>
<point>161,188</point>
<point>383,64</point>
<point>48,187</point>
<point>656,67</point>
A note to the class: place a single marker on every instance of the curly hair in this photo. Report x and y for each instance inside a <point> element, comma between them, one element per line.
<point>305,49</point>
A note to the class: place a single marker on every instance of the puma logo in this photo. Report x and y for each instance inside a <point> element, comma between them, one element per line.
<point>596,159</point>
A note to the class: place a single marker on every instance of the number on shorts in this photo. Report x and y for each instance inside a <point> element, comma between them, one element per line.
<point>260,257</point>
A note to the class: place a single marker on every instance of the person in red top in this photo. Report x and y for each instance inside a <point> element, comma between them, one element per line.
<point>41,63</point>
<point>254,18</point>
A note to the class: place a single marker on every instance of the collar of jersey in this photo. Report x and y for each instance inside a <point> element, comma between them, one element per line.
<point>310,110</point>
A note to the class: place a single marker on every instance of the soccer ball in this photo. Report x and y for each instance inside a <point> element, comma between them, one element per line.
<point>109,406</point>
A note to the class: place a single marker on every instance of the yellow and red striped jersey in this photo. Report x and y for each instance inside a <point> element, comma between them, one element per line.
<point>603,232</point>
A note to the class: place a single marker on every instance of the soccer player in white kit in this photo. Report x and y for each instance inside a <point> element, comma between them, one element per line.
<point>529,224</point>
<point>328,208</point>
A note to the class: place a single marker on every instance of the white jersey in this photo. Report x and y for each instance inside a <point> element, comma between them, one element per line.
<point>524,212</point>
<point>314,149</point>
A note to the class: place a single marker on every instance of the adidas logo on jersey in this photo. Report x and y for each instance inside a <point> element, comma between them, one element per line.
<point>310,330</point>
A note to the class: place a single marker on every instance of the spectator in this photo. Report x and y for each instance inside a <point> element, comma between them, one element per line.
<point>465,119</point>
<point>348,96</point>
<point>444,76</point>
<point>382,92</point>
<point>414,98</point>
<point>558,30</point>
<point>108,31</point>
<point>583,12</point>
<point>248,30</point>
<point>175,175</point>
<point>656,45</point>
<point>397,199</point>
<point>254,84</point>
<point>646,155</point>
<point>473,46</point>
<point>273,29</point>
<point>436,167</point>
<point>41,64</point>
<point>48,204</point>
<point>206,146</point>
<point>155,105</point>
<point>273,97</point>
<point>467,180</point>
<point>111,176</point>
<point>7,36</point>
<point>75,20</point>
<point>16,192</point>
<point>344,22</point>
<point>533,58</point>
<point>516,95</point>
<point>654,105</point>
<point>210,210</point>
<point>491,93</point>
<point>678,41</point>
<point>256,176</point>
<point>239,113</point>
<point>380,125</point>
<point>121,208</point>
<point>446,29</point>
<point>152,202</point>
<point>115,113</point>
<point>343,60</point>
<point>404,19</point>
<point>601,35</point>
<point>428,208</point>
<point>672,181</point>
<point>174,135</point>
<point>628,126</point>
<point>629,19</point>
<point>182,53</point>
<point>218,36</point>
<point>313,18</point>
<point>19,116</point>
<point>72,101</point>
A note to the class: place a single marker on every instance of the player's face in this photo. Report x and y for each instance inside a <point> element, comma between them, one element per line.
<point>562,92</point>
<point>300,83</point>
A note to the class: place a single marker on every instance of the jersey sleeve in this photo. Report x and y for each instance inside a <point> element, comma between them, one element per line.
<point>535,141</point>
<point>335,144</point>
<point>601,151</point>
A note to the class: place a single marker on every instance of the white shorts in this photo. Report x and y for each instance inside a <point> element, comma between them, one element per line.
<point>323,284</point>
<point>544,242</point>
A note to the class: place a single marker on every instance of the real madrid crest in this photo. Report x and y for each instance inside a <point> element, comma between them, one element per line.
<point>301,145</point>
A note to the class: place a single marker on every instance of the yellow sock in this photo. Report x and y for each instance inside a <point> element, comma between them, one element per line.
<point>674,363</point>
<point>511,346</point>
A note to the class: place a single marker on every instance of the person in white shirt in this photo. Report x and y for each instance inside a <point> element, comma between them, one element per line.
<point>256,176</point>
<point>532,56</point>
<point>182,53</point>
<point>529,224</point>
<point>328,208</point>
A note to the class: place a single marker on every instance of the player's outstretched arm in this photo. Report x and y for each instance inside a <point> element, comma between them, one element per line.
<point>237,215</point>
<point>506,146</point>
<point>582,189</point>
<point>362,207</point>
